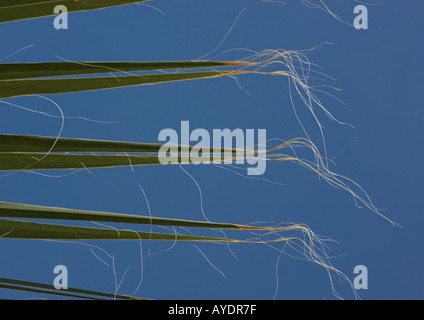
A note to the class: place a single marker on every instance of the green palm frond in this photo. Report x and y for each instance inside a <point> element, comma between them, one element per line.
<point>13,10</point>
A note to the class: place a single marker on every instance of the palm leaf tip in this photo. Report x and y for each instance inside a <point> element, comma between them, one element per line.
<point>13,229</point>
<point>14,10</point>
<point>42,288</point>
<point>17,210</point>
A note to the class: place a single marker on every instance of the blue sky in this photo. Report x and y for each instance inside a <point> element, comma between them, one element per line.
<point>378,71</point>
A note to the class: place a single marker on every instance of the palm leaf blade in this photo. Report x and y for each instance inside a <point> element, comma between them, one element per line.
<point>38,161</point>
<point>10,71</point>
<point>31,143</point>
<point>13,229</point>
<point>69,292</point>
<point>14,88</point>
<point>16,210</point>
<point>13,10</point>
